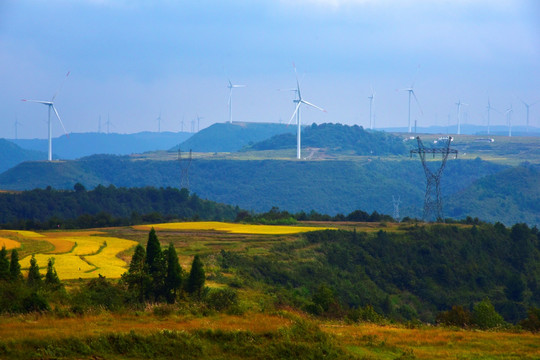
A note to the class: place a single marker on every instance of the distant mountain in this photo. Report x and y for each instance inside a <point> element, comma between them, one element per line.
<point>338,138</point>
<point>11,155</point>
<point>78,145</point>
<point>469,129</point>
<point>510,196</point>
<point>227,137</point>
<point>324,186</point>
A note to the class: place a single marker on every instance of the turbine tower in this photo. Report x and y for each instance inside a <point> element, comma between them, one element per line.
<point>508,113</point>
<point>299,101</point>
<point>489,108</point>
<point>159,122</point>
<point>528,106</point>
<point>17,123</point>
<point>50,105</point>
<point>410,90</point>
<point>459,105</point>
<point>371,99</point>
<point>232,86</point>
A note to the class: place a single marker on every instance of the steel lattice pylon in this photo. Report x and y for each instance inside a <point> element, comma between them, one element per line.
<point>184,169</point>
<point>432,198</point>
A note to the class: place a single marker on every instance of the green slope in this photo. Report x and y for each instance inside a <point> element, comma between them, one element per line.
<point>11,155</point>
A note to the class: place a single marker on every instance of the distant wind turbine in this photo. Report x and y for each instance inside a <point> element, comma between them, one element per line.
<point>199,118</point>
<point>299,101</point>
<point>411,92</point>
<point>159,122</point>
<point>508,113</point>
<point>528,106</point>
<point>17,123</point>
<point>371,99</point>
<point>232,86</point>
<point>489,108</point>
<point>459,105</point>
<point>50,105</point>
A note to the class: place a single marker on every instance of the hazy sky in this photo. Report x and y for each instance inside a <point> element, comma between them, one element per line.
<point>132,59</point>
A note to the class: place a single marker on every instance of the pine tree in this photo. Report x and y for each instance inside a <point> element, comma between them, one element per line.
<point>51,277</point>
<point>137,278</point>
<point>14,266</point>
<point>156,265</point>
<point>4,264</point>
<point>173,279</point>
<point>196,278</point>
<point>34,277</point>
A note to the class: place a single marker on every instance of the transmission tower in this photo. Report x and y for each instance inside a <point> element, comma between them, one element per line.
<point>184,169</point>
<point>396,203</point>
<point>432,199</point>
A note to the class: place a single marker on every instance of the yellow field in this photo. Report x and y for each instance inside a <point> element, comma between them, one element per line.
<point>22,233</point>
<point>9,244</point>
<point>232,228</point>
<point>80,255</point>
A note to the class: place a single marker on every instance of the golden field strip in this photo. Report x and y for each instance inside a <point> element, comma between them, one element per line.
<point>365,340</point>
<point>232,228</point>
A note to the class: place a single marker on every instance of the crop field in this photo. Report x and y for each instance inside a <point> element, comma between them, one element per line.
<point>232,228</point>
<point>9,244</point>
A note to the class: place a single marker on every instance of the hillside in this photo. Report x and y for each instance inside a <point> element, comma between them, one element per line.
<point>338,138</point>
<point>226,137</point>
<point>324,186</point>
<point>78,145</point>
<point>12,154</point>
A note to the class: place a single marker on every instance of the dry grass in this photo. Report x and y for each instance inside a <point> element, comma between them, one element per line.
<point>232,228</point>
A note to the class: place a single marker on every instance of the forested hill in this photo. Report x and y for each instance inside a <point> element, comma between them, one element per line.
<point>78,145</point>
<point>328,187</point>
<point>105,205</point>
<point>12,154</point>
<point>227,137</point>
<point>338,138</point>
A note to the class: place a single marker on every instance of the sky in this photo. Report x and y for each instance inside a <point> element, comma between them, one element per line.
<point>132,60</point>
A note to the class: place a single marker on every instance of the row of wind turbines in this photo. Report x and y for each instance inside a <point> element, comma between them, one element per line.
<point>299,100</point>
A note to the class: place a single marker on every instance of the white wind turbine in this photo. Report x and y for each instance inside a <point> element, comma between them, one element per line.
<point>411,92</point>
<point>296,112</point>
<point>489,108</point>
<point>528,106</point>
<point>459,105</point>
<point>232,86</point>
<point>50,105</point>
<point>371,99</point>
<point>508,113</point>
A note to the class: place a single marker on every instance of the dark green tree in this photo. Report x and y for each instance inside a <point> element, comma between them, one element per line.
<point>51,277</point>
<point>4,264</point>
<point>173,279</point>
<point>34,277</point>
<point>156,265</point>
<point>197,277</point>
<point>14,266</point>
<point>137,278</point>
<point>485,316</point>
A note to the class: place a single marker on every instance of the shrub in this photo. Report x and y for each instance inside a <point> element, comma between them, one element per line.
<point>532,322</point>
<point>222,299</point>
<point>485,317</point>
<point>457,316</point>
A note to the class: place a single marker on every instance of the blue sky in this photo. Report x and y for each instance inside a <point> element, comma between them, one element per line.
<point>133,59</point>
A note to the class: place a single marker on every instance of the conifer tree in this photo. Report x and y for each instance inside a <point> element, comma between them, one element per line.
<point>51,277</point>
<point>156,265</point>
<point>137,278</point>
<point>196,278</point>
<point>34,277</point>
<point>4,264</point>
<point>14,266</point>
<point>173,279</point>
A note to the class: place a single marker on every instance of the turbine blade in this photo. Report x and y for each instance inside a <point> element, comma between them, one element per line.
<point>415,76</point>
<point>297,82</point>
<point>312,105</point>
<point>61,86</point>
<point>58,116</point>
<point>38,101</point>
<point>239,86</point>
<point>294,113</point>
<point>417,102</point>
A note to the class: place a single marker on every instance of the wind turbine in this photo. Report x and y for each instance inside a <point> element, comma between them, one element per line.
<point>411,91</point>
<point>50,105</point>
<point>371,99</point>
<point>159,122</point>
<point>199,118</point>
<point>17,123</point>
<point>528,106</point>
<point>232,86</point>
<point>299,101</point>
<point>489,108</point>
<point>508,113</point>
<point>459,105</point>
